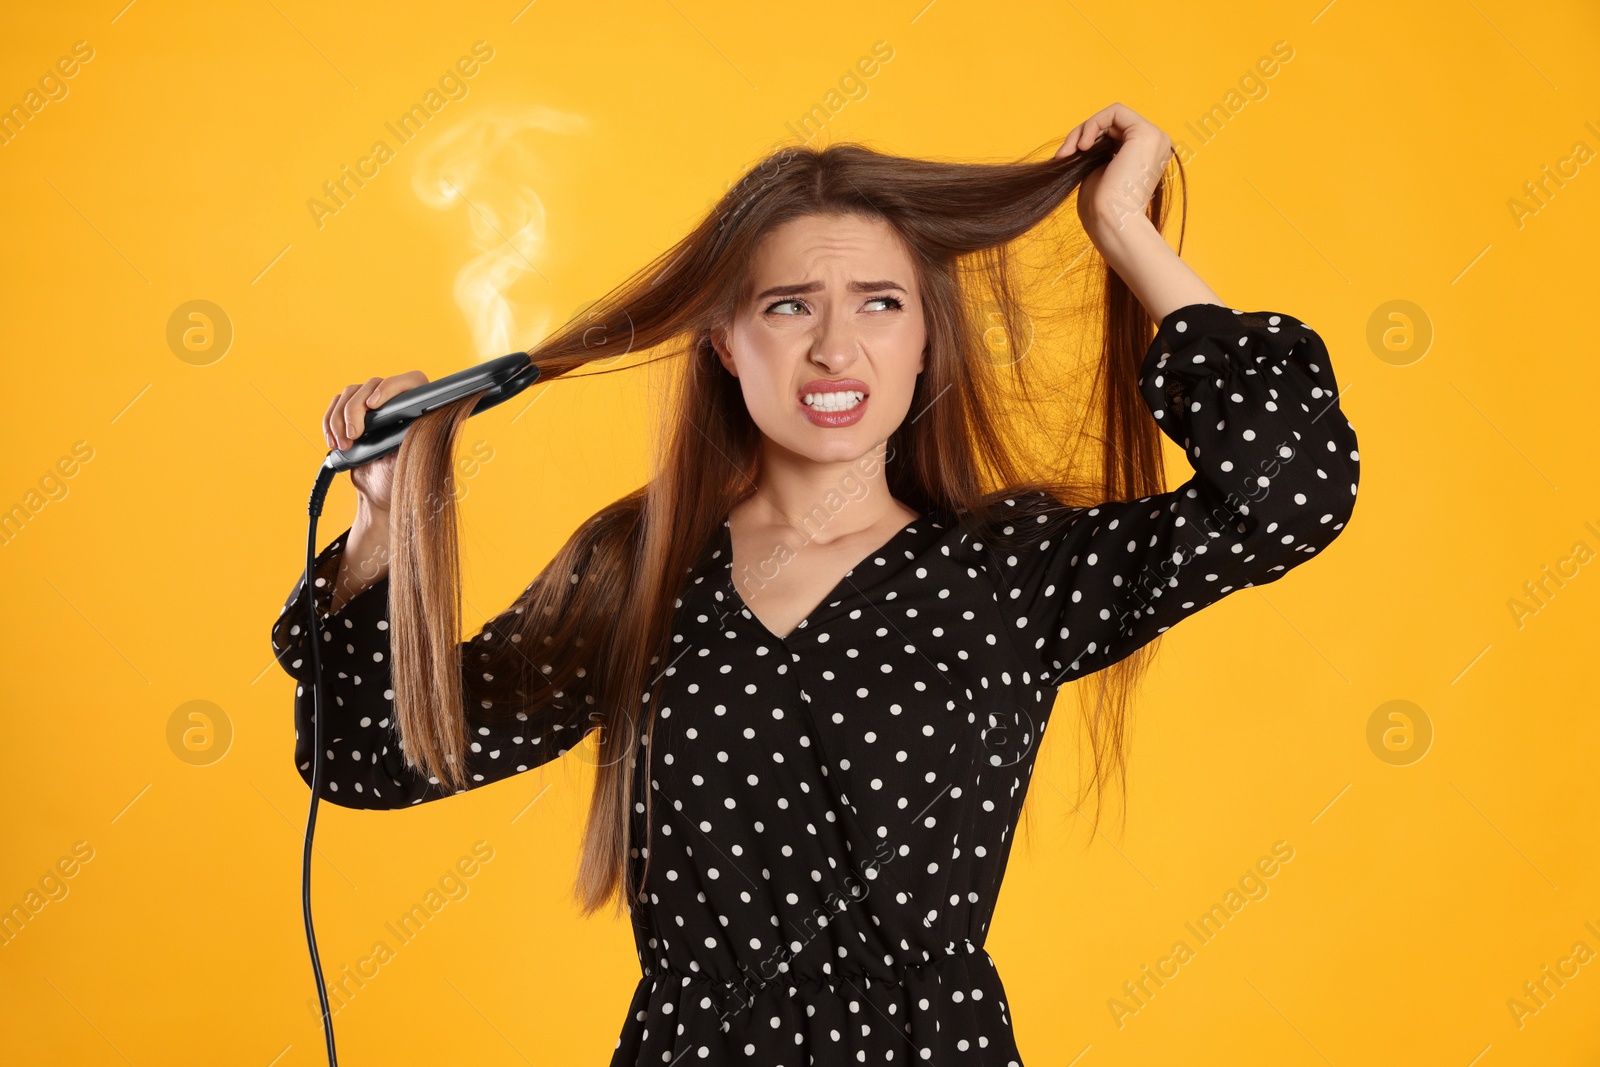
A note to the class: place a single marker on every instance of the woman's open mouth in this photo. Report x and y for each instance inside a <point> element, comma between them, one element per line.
<point>835,403</point>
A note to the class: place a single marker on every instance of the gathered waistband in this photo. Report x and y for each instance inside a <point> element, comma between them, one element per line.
<point>893,974</point>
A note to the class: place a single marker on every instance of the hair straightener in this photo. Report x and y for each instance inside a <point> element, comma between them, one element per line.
<point>498,380</point>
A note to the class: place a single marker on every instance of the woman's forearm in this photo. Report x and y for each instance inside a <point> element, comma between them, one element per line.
<point>366,554</point>
<point>1156,274</point>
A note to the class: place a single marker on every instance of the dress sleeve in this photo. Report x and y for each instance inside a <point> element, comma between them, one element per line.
<point>1252,399</point>
<point>366,766</point>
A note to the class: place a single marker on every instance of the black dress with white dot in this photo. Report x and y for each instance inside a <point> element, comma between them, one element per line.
<point>833,809</point>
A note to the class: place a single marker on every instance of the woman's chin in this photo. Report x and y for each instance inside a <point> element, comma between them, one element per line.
<point>839,445</point>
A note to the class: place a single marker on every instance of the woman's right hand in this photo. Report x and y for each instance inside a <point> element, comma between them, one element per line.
<point>346,419</point>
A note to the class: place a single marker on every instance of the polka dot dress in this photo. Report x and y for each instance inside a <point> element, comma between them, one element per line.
<point>833,809</point>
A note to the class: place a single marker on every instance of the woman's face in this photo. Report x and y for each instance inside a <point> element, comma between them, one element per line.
<point>828,347</point>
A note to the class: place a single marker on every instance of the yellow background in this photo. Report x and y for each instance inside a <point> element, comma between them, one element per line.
<point>1379,166</point>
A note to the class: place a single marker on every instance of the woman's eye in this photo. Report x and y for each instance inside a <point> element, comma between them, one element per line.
<point>893,302</point>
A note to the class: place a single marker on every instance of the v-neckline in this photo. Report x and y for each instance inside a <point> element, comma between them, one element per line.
<point>726,544</point>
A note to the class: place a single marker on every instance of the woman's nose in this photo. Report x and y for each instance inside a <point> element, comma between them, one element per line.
<point>835,343</point>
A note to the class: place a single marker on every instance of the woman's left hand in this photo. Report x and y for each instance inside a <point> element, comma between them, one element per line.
<point>1123,187</point>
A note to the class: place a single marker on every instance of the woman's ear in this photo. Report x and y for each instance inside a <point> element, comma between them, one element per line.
<point>719,344</point>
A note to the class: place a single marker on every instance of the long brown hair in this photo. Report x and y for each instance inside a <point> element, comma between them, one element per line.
<point>591,629</point>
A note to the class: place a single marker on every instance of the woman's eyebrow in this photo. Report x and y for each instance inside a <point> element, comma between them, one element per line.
<point>812,287</point>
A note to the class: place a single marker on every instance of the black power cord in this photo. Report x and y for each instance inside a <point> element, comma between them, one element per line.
<point>319,493</point>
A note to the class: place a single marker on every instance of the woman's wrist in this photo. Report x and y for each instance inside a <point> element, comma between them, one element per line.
<point>1127,240</point>
<point>1157,275</point>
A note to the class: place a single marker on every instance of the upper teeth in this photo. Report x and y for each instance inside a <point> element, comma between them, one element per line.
<point>839,400</point>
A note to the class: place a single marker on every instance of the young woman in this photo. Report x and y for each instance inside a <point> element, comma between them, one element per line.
<point>816,653</point>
